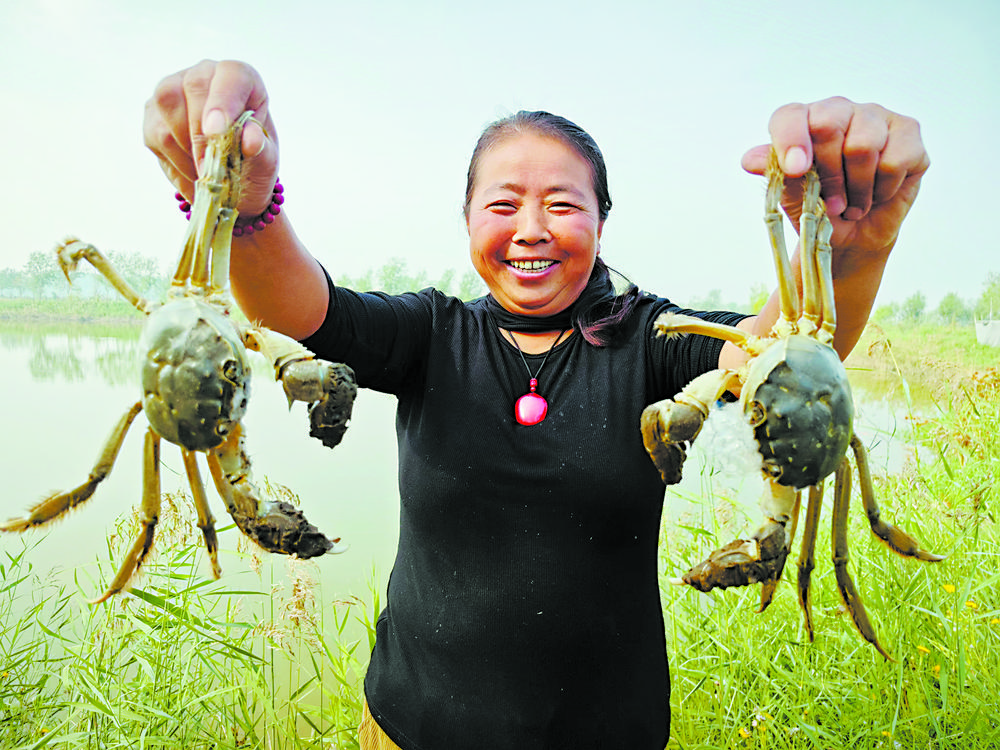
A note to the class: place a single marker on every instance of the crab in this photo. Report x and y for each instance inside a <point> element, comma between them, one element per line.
<point>195,375</point>
<point>795,393</point>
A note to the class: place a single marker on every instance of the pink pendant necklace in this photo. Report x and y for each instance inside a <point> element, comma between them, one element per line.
<point>531,408</point>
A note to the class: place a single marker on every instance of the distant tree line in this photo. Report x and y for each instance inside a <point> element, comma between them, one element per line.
<point>951,310</point>
<point>40,278</point>
<point>713,300</point>
<point>395,277</point>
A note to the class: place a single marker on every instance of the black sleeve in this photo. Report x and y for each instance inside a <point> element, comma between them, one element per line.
<point>382,337</point>
<point>679,360</point>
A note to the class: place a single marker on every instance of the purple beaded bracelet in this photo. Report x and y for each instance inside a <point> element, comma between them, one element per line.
<point>251,224</point>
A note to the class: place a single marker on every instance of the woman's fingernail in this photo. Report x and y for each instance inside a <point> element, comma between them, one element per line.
<point>836,205</point>
<point>852,214</point>
<point>796,161</point>
<point>258,134</point>
<point>214,123</point>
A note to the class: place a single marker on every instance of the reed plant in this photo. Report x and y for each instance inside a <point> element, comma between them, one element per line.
<point>182,661</point>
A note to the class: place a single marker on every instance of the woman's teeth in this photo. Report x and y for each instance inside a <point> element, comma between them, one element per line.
<point>531,265</point>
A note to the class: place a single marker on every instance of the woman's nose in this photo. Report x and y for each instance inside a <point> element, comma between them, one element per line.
<point>532,226</point>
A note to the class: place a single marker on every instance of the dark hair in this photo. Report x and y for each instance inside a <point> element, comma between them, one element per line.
<point>598,311</point>
<point>544,123</point>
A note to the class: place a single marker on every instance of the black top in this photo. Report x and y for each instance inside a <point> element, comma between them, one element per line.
<point>523,607</point>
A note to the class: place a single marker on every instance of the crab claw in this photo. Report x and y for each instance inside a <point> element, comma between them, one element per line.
<point>330,414</point>
<point>67,257</point>
<point>329,388</point>
<point>669,425</point>
<point>742,562</point>
<point>275,525</point>
<point>281,527</point>
<point>667,428</point>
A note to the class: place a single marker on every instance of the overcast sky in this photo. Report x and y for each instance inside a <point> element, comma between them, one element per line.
<point>378,105</point>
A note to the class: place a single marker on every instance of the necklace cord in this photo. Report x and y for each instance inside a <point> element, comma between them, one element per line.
<point>544,359</point>
<point>518,347</point>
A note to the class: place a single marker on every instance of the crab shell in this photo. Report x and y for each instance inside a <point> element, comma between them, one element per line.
<point>196,376</point>
<point>798,401</point>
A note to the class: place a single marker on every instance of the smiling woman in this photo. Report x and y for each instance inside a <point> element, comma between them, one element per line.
<point>523,608</point>
<point>535,213</point>
<point>534,226</point>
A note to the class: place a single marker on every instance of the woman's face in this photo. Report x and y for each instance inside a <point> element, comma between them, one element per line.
<point>534,227</point>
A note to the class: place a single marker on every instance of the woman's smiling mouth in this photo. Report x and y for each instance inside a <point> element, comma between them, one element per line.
<point>531,266</point>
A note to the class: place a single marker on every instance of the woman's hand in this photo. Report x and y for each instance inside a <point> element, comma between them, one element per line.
<point>203,100</point>
<point>274,278</point>
<point>870,162</point>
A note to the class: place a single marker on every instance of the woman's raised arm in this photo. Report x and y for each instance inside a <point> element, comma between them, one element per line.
<point>275,280</point>
<point>870,162</point>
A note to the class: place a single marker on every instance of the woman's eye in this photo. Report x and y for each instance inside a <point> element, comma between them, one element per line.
<point>563,207</point>
<point>502,206</point>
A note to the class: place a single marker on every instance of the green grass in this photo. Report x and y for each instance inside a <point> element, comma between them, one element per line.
<point>193,663</point>
<point>184,662</point>
<point>748,680</point>
<point>94,316</point>
<point>91,310</point>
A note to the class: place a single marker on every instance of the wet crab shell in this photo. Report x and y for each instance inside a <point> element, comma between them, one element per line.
<point>798,400</point>
<point>195,376</point>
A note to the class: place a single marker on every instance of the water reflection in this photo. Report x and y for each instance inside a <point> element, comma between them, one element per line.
<point>76,352</point>
<point>50,364</point>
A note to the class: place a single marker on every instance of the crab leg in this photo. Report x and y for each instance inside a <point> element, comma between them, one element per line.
<point>672,324</point>
<point>221,248</point>
<point>205,520</point>
<point>824,261</point>
<point>273,524</point>
<point>193,264</point>
<point>195,232</point>
<point>848,591</point>
<point>223,238</point>
<point>807,554</point>
<point>147,520</point>
<point>72,251</point>
<point>896,539</point>
<point>813,213</point>
<point>769,585</point>
<point>213,214</point>
<point>773,218</point>
<point>59,503</point>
